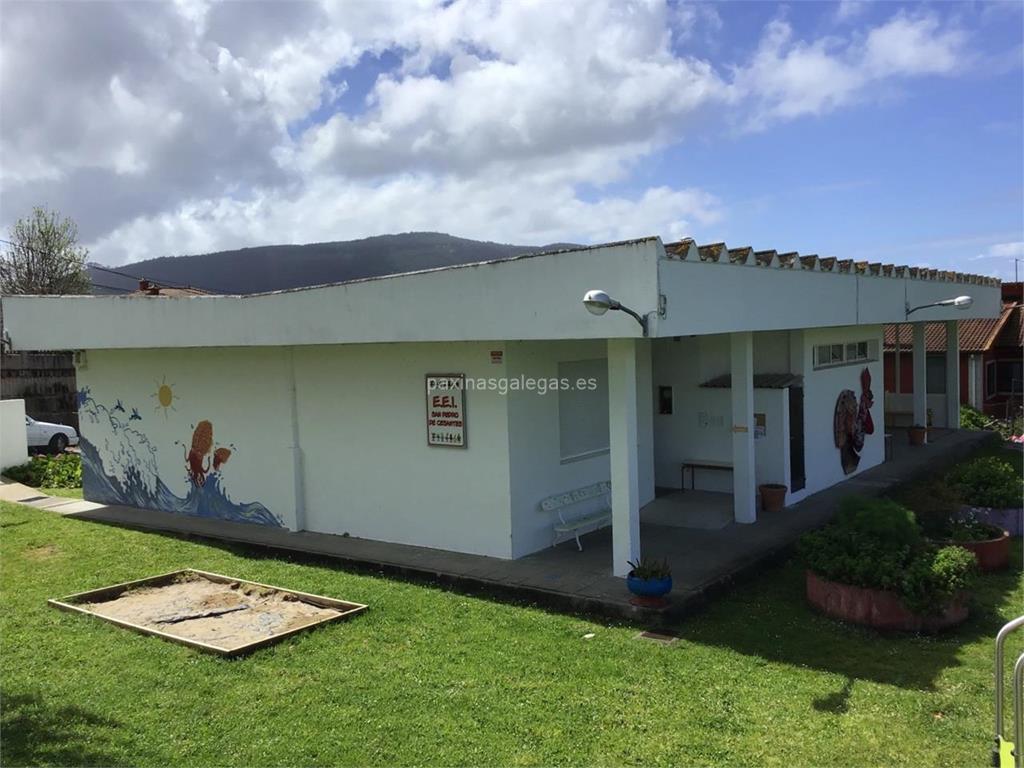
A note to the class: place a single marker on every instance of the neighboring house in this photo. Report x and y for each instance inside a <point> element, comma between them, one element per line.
<point>991,359</point>
<point>464,408</point>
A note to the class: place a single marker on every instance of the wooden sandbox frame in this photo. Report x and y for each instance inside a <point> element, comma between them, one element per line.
<point>345,608</point>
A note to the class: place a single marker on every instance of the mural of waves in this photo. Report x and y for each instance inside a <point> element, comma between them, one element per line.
<point>129,476</point>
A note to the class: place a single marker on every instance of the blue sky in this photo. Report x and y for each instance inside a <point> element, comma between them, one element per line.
<point>881,131</point>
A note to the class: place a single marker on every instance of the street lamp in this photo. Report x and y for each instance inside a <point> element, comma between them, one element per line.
<point>960,302</point>
<point>599,302</point>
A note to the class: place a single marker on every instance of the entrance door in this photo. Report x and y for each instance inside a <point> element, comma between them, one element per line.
<point>797,478</point>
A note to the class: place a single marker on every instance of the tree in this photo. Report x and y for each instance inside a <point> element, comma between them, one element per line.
<point>44,256</point>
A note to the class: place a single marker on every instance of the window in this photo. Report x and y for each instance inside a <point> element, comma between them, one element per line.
<point>583,413</point>
<point>1004,377</point>
<point>935,373</point>
<point>665,401</point>
<point>827,355</point>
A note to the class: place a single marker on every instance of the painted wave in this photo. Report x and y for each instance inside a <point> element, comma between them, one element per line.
<point>129,476</point>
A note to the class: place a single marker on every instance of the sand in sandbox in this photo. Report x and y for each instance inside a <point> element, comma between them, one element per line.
<point>223,615</point>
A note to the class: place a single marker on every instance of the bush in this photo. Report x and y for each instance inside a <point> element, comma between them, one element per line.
<point>935,503</point>
<point>935,576</point>
<point>988,482</point>
<point>63,471</point>
<point>972,418</point>
<point>876,543</point>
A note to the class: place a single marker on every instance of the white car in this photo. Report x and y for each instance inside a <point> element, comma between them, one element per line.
<point>54,437</point>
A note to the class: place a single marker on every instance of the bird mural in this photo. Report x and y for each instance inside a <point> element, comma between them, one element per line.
<point>853,422</point>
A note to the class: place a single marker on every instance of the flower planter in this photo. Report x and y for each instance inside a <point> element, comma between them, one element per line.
<point>878,608</point>
<point>649,587</point>
<point>992,554</point>
<point>1010,520</point>
<point>773,497</point>
<point>917,435</point>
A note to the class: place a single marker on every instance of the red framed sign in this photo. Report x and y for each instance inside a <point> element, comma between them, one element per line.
<point>446,409</point>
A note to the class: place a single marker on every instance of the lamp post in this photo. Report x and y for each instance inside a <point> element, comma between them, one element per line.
<point>599,302</point>
<point>960,302</point>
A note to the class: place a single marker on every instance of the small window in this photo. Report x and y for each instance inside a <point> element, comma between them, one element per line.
<point>665,401</point>
<point>990,379</point>
<point>850,353</point>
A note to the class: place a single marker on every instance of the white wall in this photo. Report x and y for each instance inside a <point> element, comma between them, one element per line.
<point>242,392</point>
<point>708,297</point>
<point>368,469</point>
<point>821,390</point>
<point>13,439</point>
<point>700,426</point>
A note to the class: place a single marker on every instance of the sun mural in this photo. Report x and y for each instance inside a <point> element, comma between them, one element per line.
<point>165,397</point>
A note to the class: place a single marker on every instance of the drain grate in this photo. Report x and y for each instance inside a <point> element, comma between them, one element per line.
<point>658,637</point>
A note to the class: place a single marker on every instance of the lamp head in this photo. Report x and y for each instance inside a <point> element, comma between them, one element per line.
<point>963,302</point>
<point>599,302</point>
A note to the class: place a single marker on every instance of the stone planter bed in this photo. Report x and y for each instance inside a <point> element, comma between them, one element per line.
<point>878,608</point>
<point>1010,520</point>
<point>992,554</point>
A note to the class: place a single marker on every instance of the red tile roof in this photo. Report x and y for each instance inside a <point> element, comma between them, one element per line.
<point>975,335</point>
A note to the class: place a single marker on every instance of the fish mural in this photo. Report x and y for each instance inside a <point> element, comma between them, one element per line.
<point>853,422</point>
<point>119,466</point>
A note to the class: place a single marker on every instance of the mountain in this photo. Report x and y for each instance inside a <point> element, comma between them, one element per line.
<point>274,267</point>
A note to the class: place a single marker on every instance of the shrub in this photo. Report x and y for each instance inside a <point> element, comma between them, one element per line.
<point>972,418</point>
<point>876,543</point>
<point>935,503</point>
<point>988,482</point>
<point>935,576</point>
<point>62,471</point>
<point>649,568</point>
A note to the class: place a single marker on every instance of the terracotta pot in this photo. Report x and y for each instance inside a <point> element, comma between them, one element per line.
<point>992,554</point>
<point>917,435</point>
<point>878,608</point>
<point>773,497</point>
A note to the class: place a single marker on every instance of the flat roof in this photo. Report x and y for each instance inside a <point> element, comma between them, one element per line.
<point>700,290</point>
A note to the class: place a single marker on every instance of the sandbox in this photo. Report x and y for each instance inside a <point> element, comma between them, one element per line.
<point>208,611</point>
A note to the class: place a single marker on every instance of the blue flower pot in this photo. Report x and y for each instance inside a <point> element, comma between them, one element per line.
<point>649,587</point>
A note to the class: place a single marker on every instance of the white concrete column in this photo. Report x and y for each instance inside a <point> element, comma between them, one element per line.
<point>952,374</point>
<point>622,434</point>
<point>744,491</point>
<point>645,419</point>
<point>897,371</point>
<point>920,376</point>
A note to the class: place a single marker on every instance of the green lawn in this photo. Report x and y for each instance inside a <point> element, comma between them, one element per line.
<point>428,676</point>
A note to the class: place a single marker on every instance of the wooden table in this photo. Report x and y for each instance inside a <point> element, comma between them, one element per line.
<point>695,464</point>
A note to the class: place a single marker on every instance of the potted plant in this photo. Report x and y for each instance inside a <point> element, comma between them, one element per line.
<point>917,434</point>
<point>773,496</point>
<point>873,566</point>
<point>649,580</point>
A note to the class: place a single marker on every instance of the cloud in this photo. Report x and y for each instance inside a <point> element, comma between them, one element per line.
<point>789,78</point>
<point>1001,259</point>
<point>537,211</point>
<point>187,126</point>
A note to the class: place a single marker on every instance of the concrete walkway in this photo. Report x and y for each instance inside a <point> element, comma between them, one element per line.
<point>704,561</point>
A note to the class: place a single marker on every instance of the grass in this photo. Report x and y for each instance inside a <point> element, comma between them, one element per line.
<point>429,676</point>
<point>71,493</point>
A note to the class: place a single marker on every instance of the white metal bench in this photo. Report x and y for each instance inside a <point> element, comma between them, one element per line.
<point>569,526</point>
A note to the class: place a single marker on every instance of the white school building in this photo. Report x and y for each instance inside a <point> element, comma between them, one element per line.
<point>446,408</point>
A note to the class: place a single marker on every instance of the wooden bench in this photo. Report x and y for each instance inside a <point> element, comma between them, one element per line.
<point>694,464</point>
<point>571,526</point>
